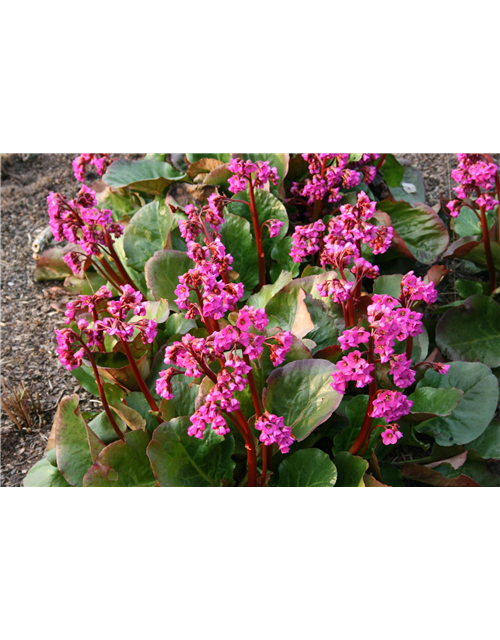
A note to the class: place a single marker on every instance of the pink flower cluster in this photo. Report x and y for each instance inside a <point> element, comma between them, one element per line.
<point>243,170</point>
<point>87,312</point>
<point>80,222</point>
<point>194,355</point>
<point>343,241</point>
<point>100,161</point>
<point>273,431</point>
<point>473,174</point>
<point>390,320</point>
<point>330,172</point>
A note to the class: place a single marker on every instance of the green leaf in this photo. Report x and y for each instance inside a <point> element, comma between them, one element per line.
<point>325,330</point>
<point>43,474</point>
<point>301,392</point>
<point>163,271</point>
<point>86,378</point>
<point>422,230</point>
<point>260,299</point>
<point>429,402</point>
<point>471,331</point>
<point>477,254</point>
<point>237,239</point>
<point>146,233</point>
<point>307,468</point>
<point>120,205</point>
<point>195,157</point>
<point>287,310</point>
<point>72,446</point>
<point>468,224</point>
<point>388,285</point>
<point>123,464</point>
<point>466,288</point>
<point>149,176</point>
<point>392,171</point>
<point>179,460</point>
<point>350,470</point>
<point>178,323</point>
<point>268,207</point>
<point>411,189</point>
<point>101,426</point>
<point>281,255</point>
<point>474,411</point>
<point>488,443</point>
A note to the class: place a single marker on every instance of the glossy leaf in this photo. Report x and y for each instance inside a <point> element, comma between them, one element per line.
<point>468,224</point>
<point>429,402</point>
<point>301,392</point>
<point>388,285</point>
<point>488,443</point>
<point>237,239</point>
<point>392,171</point>
<point>260,299</point>
<point>163,271</point>
<point>411,188</point>
<point>179,460</point>
<point>43,474</point>
<point>72,446</point>
<point>146,233</point>
<point>426,475</point>
<point>350,470</point>
<point>471,331</point>
<point>149,176</point>
<point>467,288</point>
<point>122,464</point>
<point>422,230</point>
<point>307,468</point>
<point>475,409</point>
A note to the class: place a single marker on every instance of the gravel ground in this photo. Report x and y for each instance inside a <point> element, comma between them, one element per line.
<point>30,311</point>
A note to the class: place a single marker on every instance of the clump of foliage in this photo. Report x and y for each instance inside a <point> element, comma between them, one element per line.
<point>270,320</point>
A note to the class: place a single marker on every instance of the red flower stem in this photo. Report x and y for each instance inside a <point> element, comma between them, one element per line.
<point>318,205</point>
<point>350,305</point>
<point>487,250</point>
<point>118,263</point>
<point>380,162</point>
<point>102,394</point>
<point>140,380</point>
<point>258,236</point>
<point>250,447</point>
<point>111,275</point>
<point>497,183</point>
<point>267,458</point>
<point>409,347</point>
<point>365,430</point>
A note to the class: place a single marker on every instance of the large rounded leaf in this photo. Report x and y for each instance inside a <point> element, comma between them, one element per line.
<point>44,474</point>
<point>422,230</point>
<point>307,468</point>
<point>350,470</point>
<point>473,412</point>
<point>301,392</point>
<point>146,233</point>
<point>163,271</point>
<point>122,464</point>
<point>471,331</point>
<point>72,446</point>
<point>429,402</point>
<point>149,176</point>
<point>179,460</point>
<point>488,444</point>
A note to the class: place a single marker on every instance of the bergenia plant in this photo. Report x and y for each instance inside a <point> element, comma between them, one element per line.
<point>274,320</point>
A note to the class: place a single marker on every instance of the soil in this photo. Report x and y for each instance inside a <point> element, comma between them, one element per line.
<point>30,310</point>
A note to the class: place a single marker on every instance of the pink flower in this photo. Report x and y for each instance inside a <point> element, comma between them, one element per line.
<point>391,435</point>
<point>353,337</point>
<point>401,370</point>
<point>352,367</point>
<point>486,201</point>
<point>281,348</point>
<point>274,227</point>
<point>305,240</point>
<point>390,405</point>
